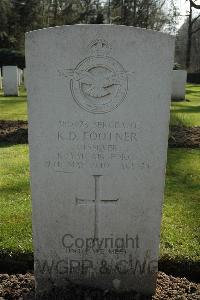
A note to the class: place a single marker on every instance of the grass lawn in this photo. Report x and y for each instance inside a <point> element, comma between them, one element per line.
<point>179,237</point>
<point>181,214</point>
<point>13,108</point>
<point>187,113</point>
<point>15,212</point>
<point>182,113</point>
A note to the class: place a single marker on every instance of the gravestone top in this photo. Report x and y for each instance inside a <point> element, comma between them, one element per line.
<point>99,98</point>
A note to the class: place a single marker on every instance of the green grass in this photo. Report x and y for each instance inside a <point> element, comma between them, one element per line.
<point>187,113</point>
<point>182,113</point>
<point>15,212</point>
<point>13,108</point>
<point>181,215</point>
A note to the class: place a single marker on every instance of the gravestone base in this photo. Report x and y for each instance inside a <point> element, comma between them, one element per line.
<point>76,292</point>
<point>12,95</point>
<point>101,287</point>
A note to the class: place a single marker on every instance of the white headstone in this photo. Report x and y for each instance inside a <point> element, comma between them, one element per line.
<point>24,73</point>
<point>10,81</point>
<point>20,76</point>
<point>99,98</point>
<point>179,78</point>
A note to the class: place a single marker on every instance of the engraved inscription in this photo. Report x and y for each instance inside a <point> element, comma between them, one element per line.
<point>99,83</point>
<point>97,200</point>
<point>97,145</point>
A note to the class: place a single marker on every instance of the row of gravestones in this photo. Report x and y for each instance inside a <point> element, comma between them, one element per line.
<point>10,80</point>
<point>13,77</point>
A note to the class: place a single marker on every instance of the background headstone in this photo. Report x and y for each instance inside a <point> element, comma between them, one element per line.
<point>179,78</point>
<point>24,73</point>
<point>99,100</point>
<point>10,81</point>
<point>20,76</point>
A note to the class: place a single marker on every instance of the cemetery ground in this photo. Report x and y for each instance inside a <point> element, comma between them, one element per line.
<point>13,108</point>
<point>186,113</point>
<point>179,247</point>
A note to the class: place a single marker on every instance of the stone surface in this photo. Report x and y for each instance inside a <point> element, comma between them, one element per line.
<point>99,98</point>
<point>10,81</point>
<point>1,84</point>
<point>20,76</point>
<point>179,78</point>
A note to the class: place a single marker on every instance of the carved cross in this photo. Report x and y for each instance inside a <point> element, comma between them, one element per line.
<point>97,201</point>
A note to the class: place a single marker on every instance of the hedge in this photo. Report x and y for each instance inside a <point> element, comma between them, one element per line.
<point>193,77</point>
<point>9,57</point>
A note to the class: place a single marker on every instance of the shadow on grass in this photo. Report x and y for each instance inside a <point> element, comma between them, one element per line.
<point>13,262</point>
<point>17,187</point>
<point>10,144</point>
<point>189,91</point>
<point>193,85</point>
<point>13,97</point>
<point>186,109</point>
<point>189,179</point>
<point>12,100</point>
<point>188,269</point>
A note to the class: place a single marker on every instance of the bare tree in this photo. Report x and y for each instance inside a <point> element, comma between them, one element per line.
<point>191,31</point>
<point>149,14</point>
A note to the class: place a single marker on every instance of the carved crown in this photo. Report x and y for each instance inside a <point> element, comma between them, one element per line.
<point>99,47</point>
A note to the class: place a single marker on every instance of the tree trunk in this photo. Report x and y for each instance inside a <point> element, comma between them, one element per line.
<point>189,41</point>
<point>109,11</point>
<point>122,11</point>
